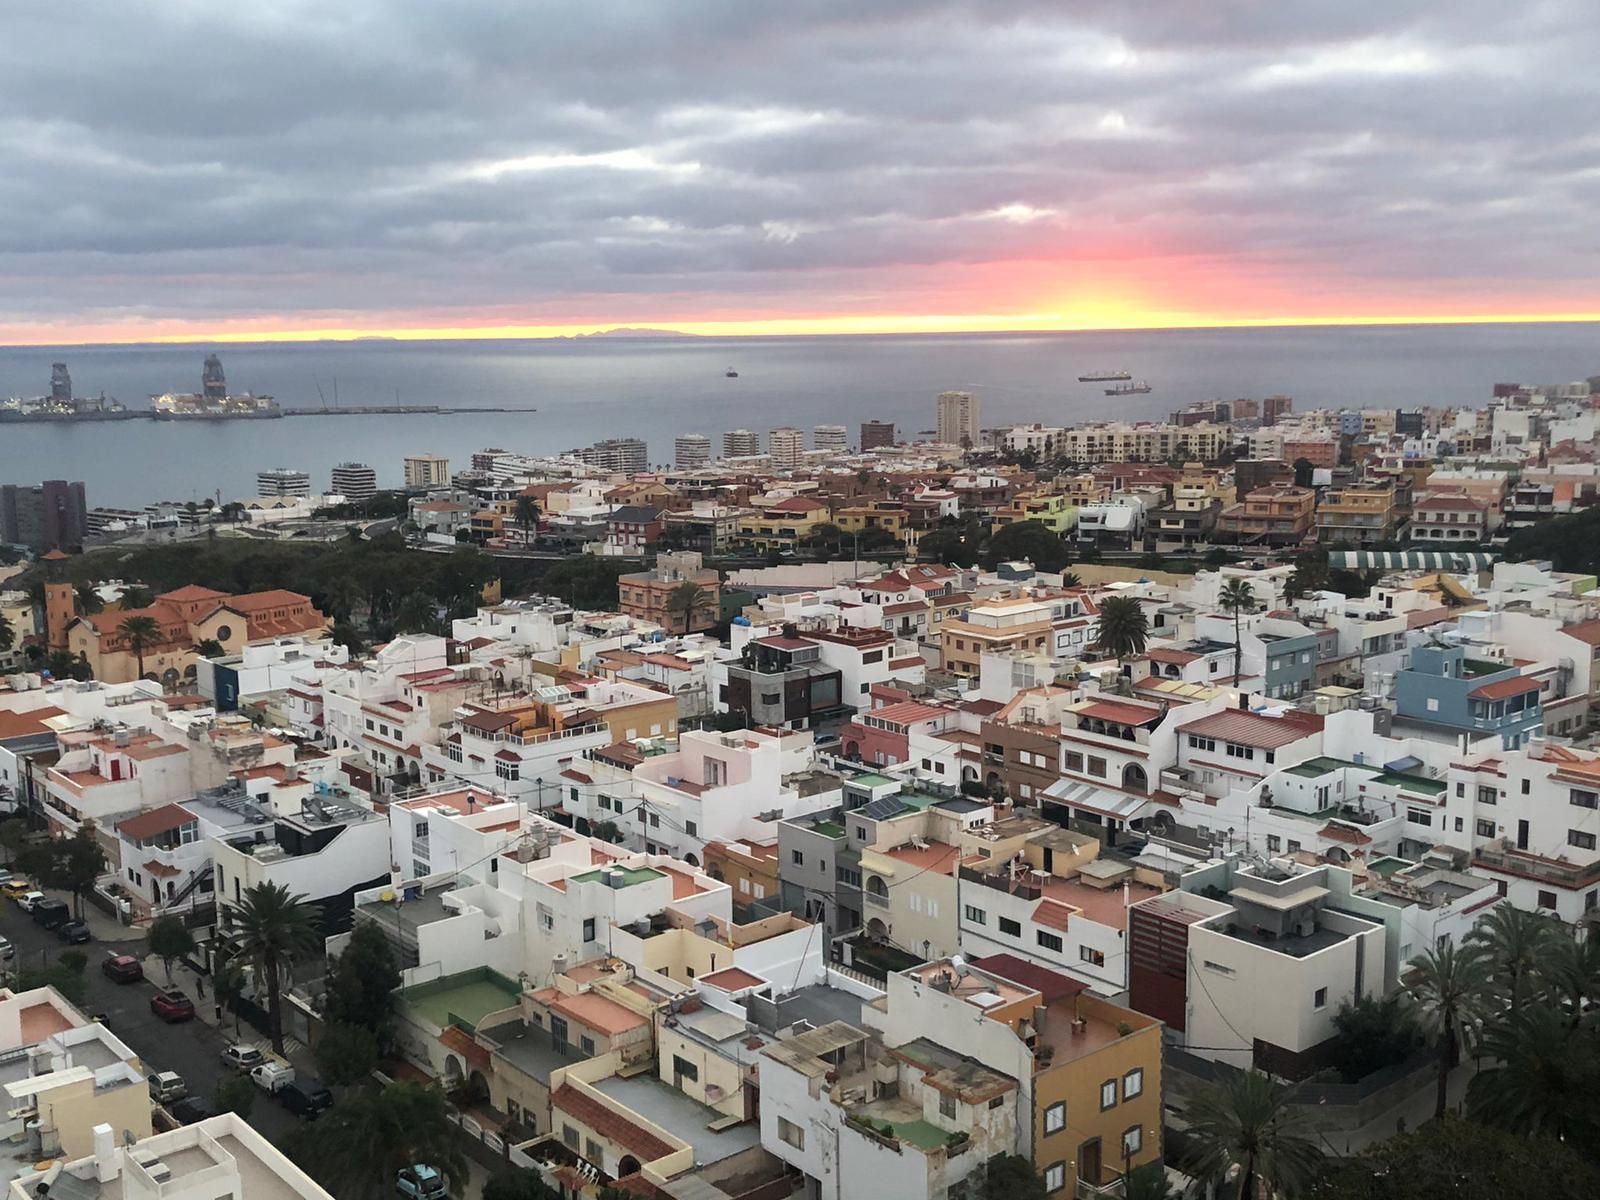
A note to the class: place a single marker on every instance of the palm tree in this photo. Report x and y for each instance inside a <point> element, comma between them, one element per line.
<point>1237,597</point>
<point>527,516</point>
<point>7,634</point>
<point>209,648</point>
<point>418,613</point>
<point>1544,1080</point>
<point>1572,968</point>
<point>1123,627</point>
<point>1449,987</point>
<point>1244,1125</point>
<point>142,633</point>
<point>88,599</point>
<point>1513,942</point>
<point>1148,1182</point>
<point>686,601</point>
<point>1069,579</point>
<point>272,930</point>
<point>362,1144</point>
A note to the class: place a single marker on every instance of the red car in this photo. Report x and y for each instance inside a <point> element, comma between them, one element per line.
<point>124,968</point>
<point>172,1007</point>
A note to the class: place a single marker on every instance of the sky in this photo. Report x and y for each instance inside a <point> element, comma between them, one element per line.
<point>190,170</point>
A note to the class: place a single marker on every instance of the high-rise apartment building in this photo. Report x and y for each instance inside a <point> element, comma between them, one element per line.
<point>355,481</point>
<point>787,446</point>
<point>51,516</point>
<point>281,481</point>
<point>830,437</point>
<point>691,450</point>
<point>876,433</point>
<point>958,423</point>
<point>625,455</point>
<point>483,460</point>
<point>740,443</point>
<point>1273,407</point>
<point>426,471</point>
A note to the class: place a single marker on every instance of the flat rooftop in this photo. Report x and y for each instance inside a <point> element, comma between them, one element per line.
<point>682,1117</point>
<point>469,997</point>
<point>529,1048</point>
<point>1294,945</point>
<point>630,875</point>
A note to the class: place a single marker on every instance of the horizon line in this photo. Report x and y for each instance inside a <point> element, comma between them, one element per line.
<point>819,327</point>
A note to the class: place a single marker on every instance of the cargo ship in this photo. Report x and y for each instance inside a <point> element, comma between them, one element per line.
<point>1129,389</point>
<point>1103,376</point>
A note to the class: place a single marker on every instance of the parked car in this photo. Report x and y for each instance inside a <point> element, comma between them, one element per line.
<point>15,889</point>
<point>27,900</point>
<point>420,1182</point>
<point>74,933</point>
<point>242,1058</point>
<point>272,1075</point>
<point>7,950</point>
<point>191,1109</point>
<point>122,968</point>
<point>50,913</point>
<point>172,1006</point>
<point>306,1098</point>
<point>167,1086</point>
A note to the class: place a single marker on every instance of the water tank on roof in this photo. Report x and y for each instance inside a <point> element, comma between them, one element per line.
<point>740,621</point>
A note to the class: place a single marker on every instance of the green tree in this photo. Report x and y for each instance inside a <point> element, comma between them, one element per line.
<point>237,1094</point>
<point>518,1185</point>
<point>688,601</point>
<point>142,633</point>
<point>170,939</point>
<point>1513,942</point>
<point>1029,540</point>
<point>346,1054</point>
<point>1069,579</point>
<point>209,648</point>
<point>227,986</point>
<point>1123,627</point>
<point>1237,597</point>
<point>13,837</point>
<point>88,598</point>
<point>418,613</point>
<point>1373,1033</point>
<point>1148,1182</point>
<point>527,517</point>
<point>1012,1177</point>
<point>136,596</point>
<point>1310,575</point>
<point>1243,1128</point>
<point>1449,987</point>
<point>348,636</point>
<point>78,861</point>
<point>1544,1080</point>
<point>1572,969</point>
<point>360,988</point>
<point>273,930</point>
<point>357,1149</point>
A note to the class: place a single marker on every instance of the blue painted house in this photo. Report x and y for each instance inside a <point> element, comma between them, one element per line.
<point>1445,687</point>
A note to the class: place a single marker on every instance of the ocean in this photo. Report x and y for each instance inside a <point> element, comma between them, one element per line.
<point>586,389</point>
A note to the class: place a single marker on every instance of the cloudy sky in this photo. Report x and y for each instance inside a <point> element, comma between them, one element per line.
<point>198,168</point>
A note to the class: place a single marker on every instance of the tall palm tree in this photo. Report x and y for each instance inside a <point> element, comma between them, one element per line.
<point>88,599</point>
<point>1244,1126</point>
<point>1544,1078</point>
<point>686,601</point>
<point>1572,968</point>
<point>527,516</point>
<point>272,930</point>
<point>418,613</point>
<point>359,1147</point>
<point>142,633</point>
<point>1449,987</point>
<point>1123,627</point>
<point>1513,942</point>
<point>1237,597</point>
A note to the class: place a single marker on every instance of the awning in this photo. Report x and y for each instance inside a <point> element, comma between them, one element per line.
<point>1458,561</point>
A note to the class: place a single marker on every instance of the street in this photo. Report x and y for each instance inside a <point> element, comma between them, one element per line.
<point>191,1048</point>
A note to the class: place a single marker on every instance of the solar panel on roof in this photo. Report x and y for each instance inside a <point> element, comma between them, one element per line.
<point>878,810</point>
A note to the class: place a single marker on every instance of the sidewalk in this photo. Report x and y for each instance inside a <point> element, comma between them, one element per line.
<point>194,985</point>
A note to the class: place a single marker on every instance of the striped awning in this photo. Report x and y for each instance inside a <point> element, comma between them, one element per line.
<point>1455,561</point>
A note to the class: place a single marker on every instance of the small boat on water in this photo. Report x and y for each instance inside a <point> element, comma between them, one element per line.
<point>1103,376</point>
<point>730,373</point>
<point>1129,389</point>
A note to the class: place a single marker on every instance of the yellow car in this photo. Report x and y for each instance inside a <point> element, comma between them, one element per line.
<point>15,889</point>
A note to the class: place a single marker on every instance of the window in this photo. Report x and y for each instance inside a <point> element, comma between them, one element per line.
<point>1484,829</point>
<point>1092,956</point>
<point>1433,704</point>
<point>1202,743</point>
<point>586,1044</point>
<point>593,1151</point>
<point>1218,968</point>
<point>1461,789</point>
<point>861,833</point>
<point>1055,1177</point>
<point>588,929</point>
<point>744,885</point>
<point>1074,761</point>
<point>1585,799</point>
<point>1133,1084</point>
<point>690,828</point>
<point>507,770</point>
<point>1580,839</point>
<point>1234,750</point>
<point>569,1135</point>
<point>1294,846</point>
<point>1055,1117</point>
<point>1132,1141</point>
<point>1319,998</point>
<point>975,914</point>
<point>947,1105</point>
<point>655,819</point>
<point>1419,816</point>
<point>685,1069</point>
<point>1049,941</point>
<point>1108,1094</point>
<point>797,858</point>
<point>453,751</point>
<point>1527,787</point>
<point>1097,766</point>
<point>1487,795</point>
<point>1010,928</point>
<point>1547,899</point>
<point>1274,843</point>
<point>791,1134</point>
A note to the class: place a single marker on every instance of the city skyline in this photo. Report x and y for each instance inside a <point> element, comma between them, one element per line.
<point>893,168</point>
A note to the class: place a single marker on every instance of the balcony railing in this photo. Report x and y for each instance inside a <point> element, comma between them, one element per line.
<point>878,899</point>
<point>1102,1191</point>
<point>538,739</point>
<point>1501,856</point>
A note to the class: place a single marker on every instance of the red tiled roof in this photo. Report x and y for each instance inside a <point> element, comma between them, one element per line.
<point>733,979</point>
<point>907,712</point>
<point>1343,833</point>
<point>642,1144</point>
<point>1121,714</point>
<point>192,591</point>
<point>155,822</point>
<point>1584,631</point>
<point>1052,914</point>
<point>1168,654</point>
<point>1502,689</point>
<point>1248,729</point>
<point>459,1040</point>
<point>160,869</point>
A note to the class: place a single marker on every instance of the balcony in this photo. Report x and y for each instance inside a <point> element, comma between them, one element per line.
<point>1500,855</point>
<point>1102,1191</point>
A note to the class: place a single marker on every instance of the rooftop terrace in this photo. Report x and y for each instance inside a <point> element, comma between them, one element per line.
<point>463,999</point>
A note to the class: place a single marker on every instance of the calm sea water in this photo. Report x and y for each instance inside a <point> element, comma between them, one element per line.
<point>587,389</point>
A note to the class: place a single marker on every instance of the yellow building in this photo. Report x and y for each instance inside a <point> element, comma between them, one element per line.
<point>781,525</point>
<point>1360,516</point>
<point>881,515</point>
<point>994,625</point>
<point>1054,510</point>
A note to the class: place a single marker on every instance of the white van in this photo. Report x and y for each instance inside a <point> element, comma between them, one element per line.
<point>272,1075</point>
